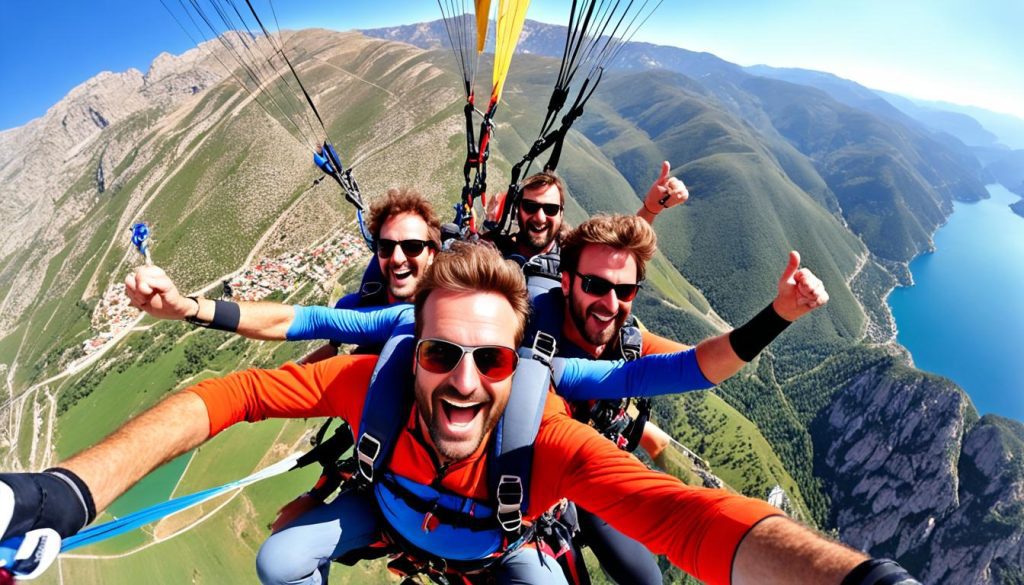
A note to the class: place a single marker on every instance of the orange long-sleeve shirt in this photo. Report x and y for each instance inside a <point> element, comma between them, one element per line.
<point>698,529</point>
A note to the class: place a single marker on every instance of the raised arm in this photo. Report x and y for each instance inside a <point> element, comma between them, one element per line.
<point>710,363</point>
<point>799,293</point>
<point>151,290</point>
<point>667,191</point>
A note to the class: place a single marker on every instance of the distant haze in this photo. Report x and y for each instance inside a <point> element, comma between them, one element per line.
<point>951,50</point>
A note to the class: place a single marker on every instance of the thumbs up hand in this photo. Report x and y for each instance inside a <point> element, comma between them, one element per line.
<point>800,291</point>
<point>665,192</point>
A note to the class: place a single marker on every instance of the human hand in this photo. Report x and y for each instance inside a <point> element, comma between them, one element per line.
<point>665,192</point>
<point>151,290</point>
<point>800,291</point>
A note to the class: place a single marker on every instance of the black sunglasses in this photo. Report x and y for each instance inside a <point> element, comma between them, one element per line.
<point>494,362</point>
<point>411,248</point>
<point>597,286</point>
<point>531,207</point>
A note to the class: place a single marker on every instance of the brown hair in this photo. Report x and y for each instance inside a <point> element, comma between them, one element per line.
<point>404,200</point>
<point>622,232</point>
<point>470,267</point>
<point>545,179</point>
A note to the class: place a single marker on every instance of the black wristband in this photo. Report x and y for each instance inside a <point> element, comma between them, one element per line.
<point>879,572</point>
<point>81,490</point>
<point>748,340</point>
<point>226,316</point>
<point>56,498</point>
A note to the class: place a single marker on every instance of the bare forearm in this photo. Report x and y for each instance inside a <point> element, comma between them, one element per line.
<point>172,427</point>
<point>257,320</point>
<point>645,214</point>
<point>780,551</point>
<point>717,359</point>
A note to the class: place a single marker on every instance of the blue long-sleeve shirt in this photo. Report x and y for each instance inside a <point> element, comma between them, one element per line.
<point>574,379</point>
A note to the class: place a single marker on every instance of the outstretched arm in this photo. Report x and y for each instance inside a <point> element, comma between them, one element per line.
<point>711,362</point>
<point>67,498</point>
<point>172,427</point>
<point>717,536</point>
<point>150,289</point>
<point>666,192</point>
<point>780,551</point>
<point>800,292</point>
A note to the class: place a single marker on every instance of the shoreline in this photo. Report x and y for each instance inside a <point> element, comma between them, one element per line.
<point>968,375</point>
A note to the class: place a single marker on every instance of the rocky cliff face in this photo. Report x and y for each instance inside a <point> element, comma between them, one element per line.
<point>914,475</point>
<point>86,134</point>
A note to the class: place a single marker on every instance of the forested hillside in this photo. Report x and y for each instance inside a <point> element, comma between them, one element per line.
<point>771,166</point>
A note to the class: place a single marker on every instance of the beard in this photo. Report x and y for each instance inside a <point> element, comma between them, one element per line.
<point>539,241</point>
<point>602,336</point>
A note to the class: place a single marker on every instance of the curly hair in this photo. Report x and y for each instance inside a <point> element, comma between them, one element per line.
<point>404,200</point>
<point>622,232</point>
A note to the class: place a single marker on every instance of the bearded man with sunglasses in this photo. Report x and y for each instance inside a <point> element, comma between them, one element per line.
<point>471,310</point>
<point>540,214</point>
<point>604,263</point>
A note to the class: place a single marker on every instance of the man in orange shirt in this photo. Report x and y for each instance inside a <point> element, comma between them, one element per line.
<point>603,264</point>
<point>471,309</point>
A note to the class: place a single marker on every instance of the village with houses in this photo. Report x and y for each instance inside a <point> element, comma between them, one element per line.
<point>319,264</point>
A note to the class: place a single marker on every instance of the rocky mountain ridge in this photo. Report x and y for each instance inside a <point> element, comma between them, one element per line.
<point>914,474</point>
<point>942,488</point>
<point>42,159</point>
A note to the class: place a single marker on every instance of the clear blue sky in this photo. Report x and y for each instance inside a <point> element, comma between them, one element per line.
<point>960,51</point>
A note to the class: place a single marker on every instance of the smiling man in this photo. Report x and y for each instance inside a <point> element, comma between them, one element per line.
<point>604,263</point>
<point>539,218</point>
<point>406,233</point>
<point>471,310</point>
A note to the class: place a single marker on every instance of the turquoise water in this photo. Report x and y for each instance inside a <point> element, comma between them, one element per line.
<point>152,489</point>
<point>964,316</point>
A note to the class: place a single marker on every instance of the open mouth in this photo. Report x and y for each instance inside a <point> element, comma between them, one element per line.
<point>603,318</point>
<point>401,275</point>
<point>460,416</point>
<point>537,229</point>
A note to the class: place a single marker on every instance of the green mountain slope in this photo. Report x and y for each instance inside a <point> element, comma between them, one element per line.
<point>771,167</point>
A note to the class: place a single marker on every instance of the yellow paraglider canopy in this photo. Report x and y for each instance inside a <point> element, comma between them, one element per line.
<point>483,16</point>
<point>511,16</point>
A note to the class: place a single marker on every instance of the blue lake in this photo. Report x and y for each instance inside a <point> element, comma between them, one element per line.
<point>964,316</point>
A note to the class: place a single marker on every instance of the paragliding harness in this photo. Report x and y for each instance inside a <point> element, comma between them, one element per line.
<point>330,452</point>
<point>611,418</point>
<point>429,530</point>
<point>553,140</point>
<point>372,290</point>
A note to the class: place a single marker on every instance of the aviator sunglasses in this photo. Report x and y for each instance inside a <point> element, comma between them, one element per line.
<point>411,248</point>
<point>597,286</point>
<point>494,362</point>
<point>531,207</point>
